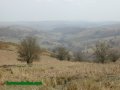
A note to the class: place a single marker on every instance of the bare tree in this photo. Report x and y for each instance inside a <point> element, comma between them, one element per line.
<point>113,54</point>
<point>62,53</point>
<point>78,56</point>
<point>101,51</point>
<point>28,50</point>
<point>69,55</point>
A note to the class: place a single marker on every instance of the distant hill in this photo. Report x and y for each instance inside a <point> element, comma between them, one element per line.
<point>54,33</point>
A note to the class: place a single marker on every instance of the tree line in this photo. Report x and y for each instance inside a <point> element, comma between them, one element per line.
<point>29,50</point>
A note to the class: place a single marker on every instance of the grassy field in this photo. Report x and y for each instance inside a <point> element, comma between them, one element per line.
<point>58,75</point>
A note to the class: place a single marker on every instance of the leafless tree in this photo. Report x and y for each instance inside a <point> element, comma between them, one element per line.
<point>101,51</point>
<point>28,50</point>
<point>78,56</point>
<point>62,53</point>
<point>113,54</point>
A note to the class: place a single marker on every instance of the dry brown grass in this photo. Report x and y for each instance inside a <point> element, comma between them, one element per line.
<point>3,45</point>
<point>59,75</point>
<point>66,75</point>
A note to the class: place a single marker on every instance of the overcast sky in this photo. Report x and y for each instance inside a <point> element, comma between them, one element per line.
<point>40,10</point>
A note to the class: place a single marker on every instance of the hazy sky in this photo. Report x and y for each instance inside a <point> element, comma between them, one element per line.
<point>40,10</point>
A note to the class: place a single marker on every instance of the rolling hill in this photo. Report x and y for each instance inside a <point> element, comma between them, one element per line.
<point>70,34</point>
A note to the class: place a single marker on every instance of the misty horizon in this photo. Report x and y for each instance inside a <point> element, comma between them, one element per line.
<point>63,10</point>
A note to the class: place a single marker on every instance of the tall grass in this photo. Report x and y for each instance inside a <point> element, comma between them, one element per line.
<point>66,76</point>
